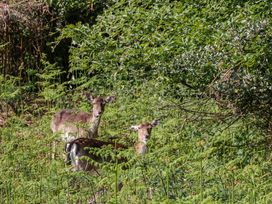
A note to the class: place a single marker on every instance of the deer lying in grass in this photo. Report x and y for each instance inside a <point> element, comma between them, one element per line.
<point>72,125</point>
<point>78,148</point>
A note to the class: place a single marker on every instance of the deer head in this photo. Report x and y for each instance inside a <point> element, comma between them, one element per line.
<point>144,130</point>
<point>99,103</point>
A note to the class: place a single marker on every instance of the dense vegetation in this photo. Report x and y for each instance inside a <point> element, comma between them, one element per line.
<point>203,67</point>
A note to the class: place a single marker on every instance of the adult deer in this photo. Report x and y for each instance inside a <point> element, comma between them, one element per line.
<point>78,148</point>
<point>72,125</point>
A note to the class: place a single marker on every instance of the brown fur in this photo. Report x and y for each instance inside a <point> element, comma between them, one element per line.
<point>91,142</point>
<point>76,148</point>
<point>79,147</point>
<point>73,124</point>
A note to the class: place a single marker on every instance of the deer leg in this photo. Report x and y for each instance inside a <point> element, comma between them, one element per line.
<point>53,154</point>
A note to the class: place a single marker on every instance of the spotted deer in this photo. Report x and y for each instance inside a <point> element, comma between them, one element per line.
<point>72,125</point>
<point>78,148</point>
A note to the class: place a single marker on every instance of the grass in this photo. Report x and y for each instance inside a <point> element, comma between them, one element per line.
<point>189,161</point>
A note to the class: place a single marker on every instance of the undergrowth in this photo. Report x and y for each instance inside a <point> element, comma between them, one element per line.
<point>191,159</point>
<point>202,67</point>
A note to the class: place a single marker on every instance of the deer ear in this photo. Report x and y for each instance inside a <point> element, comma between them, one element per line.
<point>110,99</point>
<point>155,122</point>
<point>90,97</point>
<point>134,127</point>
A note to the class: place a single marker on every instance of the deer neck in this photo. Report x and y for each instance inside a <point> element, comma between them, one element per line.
<point>94,125</point>
<point>142,139</point>
<point>140,146</point>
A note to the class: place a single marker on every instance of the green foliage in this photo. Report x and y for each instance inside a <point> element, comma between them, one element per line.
<point>50,84</point>
<point>70,11</point>
<point>190,159</point>
<point>9,88</point>
<point>178,44</point>
<point>10,94</point>
<point>202,67</point>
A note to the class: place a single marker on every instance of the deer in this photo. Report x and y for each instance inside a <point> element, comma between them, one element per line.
<point>78,148</point>
<point>72,125</point>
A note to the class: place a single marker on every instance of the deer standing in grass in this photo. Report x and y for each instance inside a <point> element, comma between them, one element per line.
<point>72,125</point>
<point>77,148</point>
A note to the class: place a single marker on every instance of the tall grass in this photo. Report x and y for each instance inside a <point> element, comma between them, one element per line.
<point>189,161</point>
